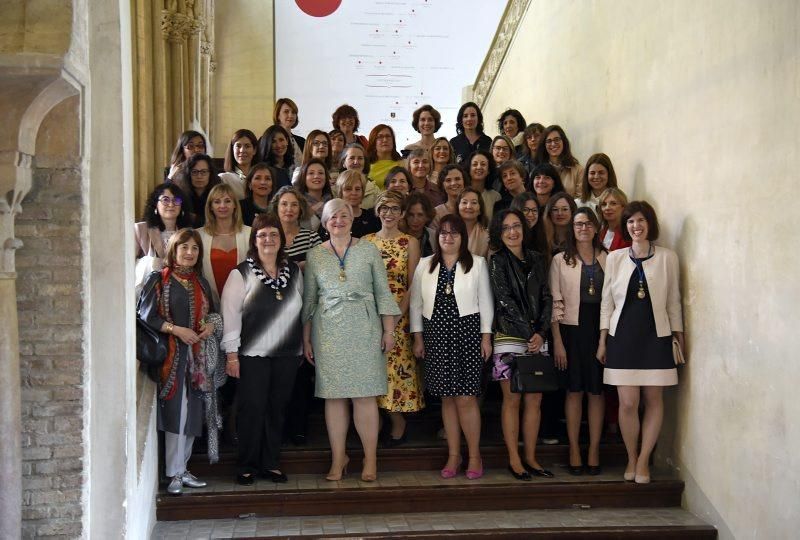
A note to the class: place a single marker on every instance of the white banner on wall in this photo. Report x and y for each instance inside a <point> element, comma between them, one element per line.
<point>385,58</point>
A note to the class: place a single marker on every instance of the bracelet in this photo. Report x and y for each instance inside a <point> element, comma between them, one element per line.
<point>170,327</point>
<point>232,361</point>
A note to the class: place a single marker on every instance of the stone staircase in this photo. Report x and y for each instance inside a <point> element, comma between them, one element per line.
<point>411,500</point>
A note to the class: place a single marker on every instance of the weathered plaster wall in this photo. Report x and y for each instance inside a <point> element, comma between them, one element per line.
<point>245,73</point>
<point>698,104</point>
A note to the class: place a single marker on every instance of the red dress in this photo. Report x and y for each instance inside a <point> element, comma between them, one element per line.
<point>222,263</point>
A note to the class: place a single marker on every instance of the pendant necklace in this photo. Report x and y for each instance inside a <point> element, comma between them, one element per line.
<point>641,294</point>
<point>589,271</point>
<point>279,282</point>
<point>450,277</point>
<point>342,274</point>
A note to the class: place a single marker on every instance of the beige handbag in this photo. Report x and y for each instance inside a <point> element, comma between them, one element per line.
<point>677,353</point>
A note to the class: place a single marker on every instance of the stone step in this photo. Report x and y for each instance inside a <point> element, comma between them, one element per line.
<point>425,457</point>
<point>415,491</point>
<point>571,523</point>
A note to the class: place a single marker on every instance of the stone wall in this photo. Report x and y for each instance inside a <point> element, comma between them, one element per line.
<point>50,298</point>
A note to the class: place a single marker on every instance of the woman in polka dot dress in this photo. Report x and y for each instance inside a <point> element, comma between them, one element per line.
<point>451,318</point>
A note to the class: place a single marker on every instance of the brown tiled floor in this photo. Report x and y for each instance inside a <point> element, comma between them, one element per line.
<point>428,521</point>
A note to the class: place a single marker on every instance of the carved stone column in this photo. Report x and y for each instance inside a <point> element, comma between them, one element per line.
<point>176,28</point>
<point>10,411</point>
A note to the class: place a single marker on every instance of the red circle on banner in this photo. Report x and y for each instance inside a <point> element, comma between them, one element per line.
<point>318,8</point>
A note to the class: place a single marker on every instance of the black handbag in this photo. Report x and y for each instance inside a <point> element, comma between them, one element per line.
<point>533,373</point>
<point>151,345</point>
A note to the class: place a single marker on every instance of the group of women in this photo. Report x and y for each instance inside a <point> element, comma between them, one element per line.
<point>383,281</point>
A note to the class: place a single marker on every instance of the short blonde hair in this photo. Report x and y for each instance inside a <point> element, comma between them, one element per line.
<point>331,207</point>
<point>211,220</point>
<point>348,178</point>
<point>386,197</point>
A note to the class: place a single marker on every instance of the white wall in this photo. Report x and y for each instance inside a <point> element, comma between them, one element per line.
<point>698,104</point>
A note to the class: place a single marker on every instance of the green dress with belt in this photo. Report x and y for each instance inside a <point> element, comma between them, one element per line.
<point>345,320</point>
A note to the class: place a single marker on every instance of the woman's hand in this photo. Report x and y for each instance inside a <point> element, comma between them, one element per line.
<point>419,346</point>
<point>560,353</point>
<point>535,343</point>
<point>206,331</point>
<point>486,346</point>
<point>601,352</point>
<point>186,335</point>
<point>232,364</point>
<point>308,351</point>
<point>387,341</point>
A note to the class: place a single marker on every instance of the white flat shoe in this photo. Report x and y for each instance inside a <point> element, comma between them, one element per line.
<point>190,480</point>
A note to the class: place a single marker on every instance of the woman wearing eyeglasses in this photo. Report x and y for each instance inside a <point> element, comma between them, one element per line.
<point>197,179</point>
<point>163,216</point>
<point>189,143</point>
<point>382,153</point>
<point>400,254</point>
<point>576,281</point>
<point>537,239</point>
<point>318,146</point>
<point>451,319</point>
<point>554,149</point>
<point>522,307</point>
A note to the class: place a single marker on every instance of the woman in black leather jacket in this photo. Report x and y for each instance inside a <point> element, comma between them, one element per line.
<point>523,307</point>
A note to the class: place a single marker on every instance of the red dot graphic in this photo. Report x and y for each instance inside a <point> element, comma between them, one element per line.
<point>318,8</point>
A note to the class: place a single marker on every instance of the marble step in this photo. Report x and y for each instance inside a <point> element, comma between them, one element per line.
<point>415,491</point>
<point>570,523</point>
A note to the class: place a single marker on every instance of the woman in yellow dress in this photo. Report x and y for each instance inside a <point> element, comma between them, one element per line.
<point>400,253</point>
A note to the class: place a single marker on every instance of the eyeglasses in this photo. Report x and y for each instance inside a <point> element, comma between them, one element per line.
<point>390,210</point>
<point>583,225</point>
<point>502,148</point>
<point>514,227</point>
<point>195,146</point>
<point>555,210</point>
<point>554,141</point>
<point>528,211</point>
<point>383,137</point>
<point>264,236</point>
<point>451,234</point>
<point>200,172</point>
<point>170,201</point>
<point>322,144</point>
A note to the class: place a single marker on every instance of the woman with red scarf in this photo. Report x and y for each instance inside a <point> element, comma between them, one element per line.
<point>177,301</point>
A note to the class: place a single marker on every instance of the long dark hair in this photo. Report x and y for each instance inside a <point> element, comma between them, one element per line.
<point>496,228</point>
<point>491,173</point>
<point>537,239</point>
<point>230,160</point>
<point>566,159</point>
<point>460,126</point>
<point>464,256</point>
<point>265,146</point>
<point>185,178</point>
<point>301,181</point>
<point>177,152</point>
<point>262,221</point>
<point>571,245</point>
<point>151,206</point>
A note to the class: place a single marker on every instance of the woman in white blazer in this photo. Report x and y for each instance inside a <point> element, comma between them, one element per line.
<point>639,314</point>
<point>225,238</point>
<point>451,318</point>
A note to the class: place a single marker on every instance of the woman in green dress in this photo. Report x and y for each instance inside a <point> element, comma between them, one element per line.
<point>349,318</point>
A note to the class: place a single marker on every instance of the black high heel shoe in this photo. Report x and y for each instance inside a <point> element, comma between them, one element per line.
<point>544,473</point>
<point>391,442</point>
<point>524,475</point>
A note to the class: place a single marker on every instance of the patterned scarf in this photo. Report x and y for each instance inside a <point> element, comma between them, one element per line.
<point>198,309</point>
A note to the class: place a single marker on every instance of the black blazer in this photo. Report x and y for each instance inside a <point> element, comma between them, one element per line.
<point>522,302</point>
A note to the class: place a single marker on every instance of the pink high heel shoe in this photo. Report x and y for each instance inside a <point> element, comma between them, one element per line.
<point>474,475</point>
<point>451,473</point>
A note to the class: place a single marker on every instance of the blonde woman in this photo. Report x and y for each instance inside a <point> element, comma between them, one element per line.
<point>224,237</point>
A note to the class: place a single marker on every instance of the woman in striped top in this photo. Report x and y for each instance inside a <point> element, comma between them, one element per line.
<point>290,206</point>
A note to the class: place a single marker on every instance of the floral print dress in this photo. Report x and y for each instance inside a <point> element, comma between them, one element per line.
<point>404,375</point>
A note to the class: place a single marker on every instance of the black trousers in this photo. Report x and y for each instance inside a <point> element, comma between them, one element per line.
<point>265,385</point>
<point>302,397</point>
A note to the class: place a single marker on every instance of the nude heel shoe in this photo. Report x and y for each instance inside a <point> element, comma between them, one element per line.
<point>333,477</point>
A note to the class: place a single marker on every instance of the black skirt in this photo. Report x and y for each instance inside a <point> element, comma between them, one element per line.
<point>584,372</point>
